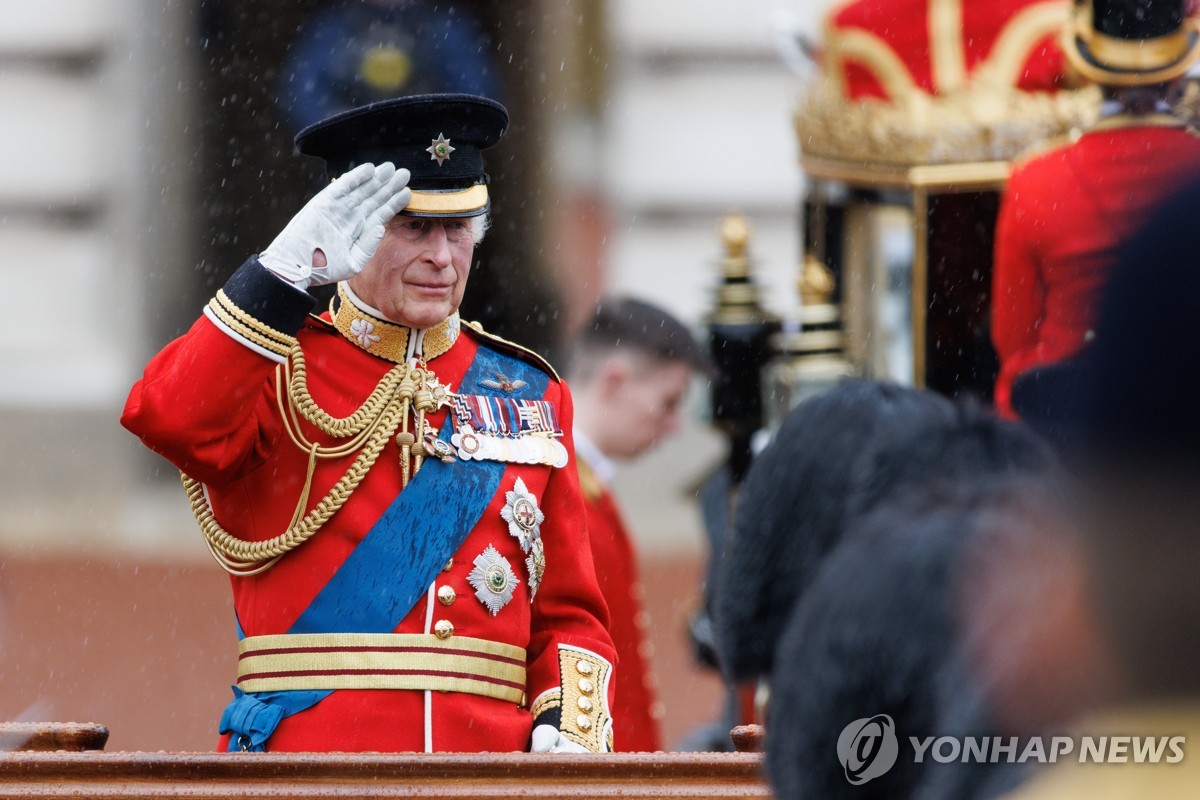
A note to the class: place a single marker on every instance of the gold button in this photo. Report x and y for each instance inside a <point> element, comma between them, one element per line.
<point>586,686</point>
<point>583,668</point>
<point>446,595</point>
<point>449,566</point>
<point>585,704</point>
<point>444,629</point>
<point>583,722</point>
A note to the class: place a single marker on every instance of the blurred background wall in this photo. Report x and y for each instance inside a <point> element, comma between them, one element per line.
<point>143,158</point>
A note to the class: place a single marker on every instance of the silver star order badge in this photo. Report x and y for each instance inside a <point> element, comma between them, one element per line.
<point>493,580</point>
<point>535,563</point>
<point>439,150</point>
<point>522,514</point>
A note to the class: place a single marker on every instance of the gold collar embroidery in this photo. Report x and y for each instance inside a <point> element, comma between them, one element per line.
<point>386,339</point>
<point>1125,120</point>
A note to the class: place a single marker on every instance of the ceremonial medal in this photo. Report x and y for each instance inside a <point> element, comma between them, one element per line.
<point>544,450</point>
<point>440,392</point>
<point>435,447</point>
<point>522,514</point>
<point>493,580</point>
<point>506,429</point>
<point>535,564</point>
<point>467,443</point>
<point>522,450</point>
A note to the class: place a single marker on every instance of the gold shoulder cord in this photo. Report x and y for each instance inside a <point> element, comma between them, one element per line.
<point>368,429</point>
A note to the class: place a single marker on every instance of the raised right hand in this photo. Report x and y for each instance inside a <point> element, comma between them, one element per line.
<point>336,233</point>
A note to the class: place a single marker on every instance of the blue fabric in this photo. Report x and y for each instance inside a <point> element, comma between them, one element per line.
<point>403,552</point>
<point>396,561</point>
<point>252,718</point>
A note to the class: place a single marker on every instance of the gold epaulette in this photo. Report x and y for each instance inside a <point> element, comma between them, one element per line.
<point>1120,121</point>
<point>513,347</point>
<point>1112,123</point>
<point>592,488</point>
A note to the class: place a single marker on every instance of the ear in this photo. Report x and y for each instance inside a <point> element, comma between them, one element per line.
<point>612,377</point>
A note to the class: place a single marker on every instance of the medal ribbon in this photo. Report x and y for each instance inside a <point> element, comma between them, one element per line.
<point>505,416</point>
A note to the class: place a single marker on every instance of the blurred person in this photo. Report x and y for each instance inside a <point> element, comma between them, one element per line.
<point>1128,404</point>
<point>877,634</point>
<point>389,489</point>
<point>1031,640</point>
<point>1064,211</point>
<point>873,632</point>
<point>355,52</point>
<point>793,507</point>
<point>630,370</point>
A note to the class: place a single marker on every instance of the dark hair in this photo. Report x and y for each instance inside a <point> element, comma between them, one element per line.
<point>628,324</point>
<point>791,509</point>
<point>972,442</point>
<point>877,633</point>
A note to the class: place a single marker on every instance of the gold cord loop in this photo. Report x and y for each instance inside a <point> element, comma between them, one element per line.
<point>368,429</point>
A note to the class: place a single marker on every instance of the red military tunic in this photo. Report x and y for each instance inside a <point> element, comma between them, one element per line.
<point>208,403</point>
<point>637,710</point>
<point>885,48</point>
<point>1061,217</point>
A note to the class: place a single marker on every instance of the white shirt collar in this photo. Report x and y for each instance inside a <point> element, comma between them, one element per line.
<point>601,464</point>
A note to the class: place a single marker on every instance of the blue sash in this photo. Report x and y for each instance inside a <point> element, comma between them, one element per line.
<point>394,564</point>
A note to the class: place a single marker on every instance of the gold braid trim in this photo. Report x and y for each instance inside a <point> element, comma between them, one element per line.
<point>975,125</point>
<point>368,428</point>
<point>584,698</point>
<point>342,427</point>
<point>248,327</point>
<point>546,701</point>
<point>381,661</point>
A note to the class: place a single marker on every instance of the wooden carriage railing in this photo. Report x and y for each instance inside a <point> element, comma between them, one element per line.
<point>630,776</point>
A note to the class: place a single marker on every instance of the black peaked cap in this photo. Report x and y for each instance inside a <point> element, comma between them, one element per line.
<point>403,130</point>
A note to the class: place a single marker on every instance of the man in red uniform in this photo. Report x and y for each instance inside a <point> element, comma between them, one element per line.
<point>631,367</point>
<point>1064,211</point>
<point>391,490</point>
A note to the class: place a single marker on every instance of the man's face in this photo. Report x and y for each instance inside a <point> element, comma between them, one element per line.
<point>647,404</point>
<point>419,271</point>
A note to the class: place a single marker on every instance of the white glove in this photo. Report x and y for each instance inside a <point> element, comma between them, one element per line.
<point>548,739</point>
<point>344,221</point>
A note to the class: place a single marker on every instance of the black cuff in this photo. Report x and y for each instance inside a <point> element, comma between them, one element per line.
<point>552,717</point>
<point>260,309</point>
<point>268,298</point>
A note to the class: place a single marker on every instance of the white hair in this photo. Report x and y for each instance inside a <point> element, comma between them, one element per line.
<point>479,226</point>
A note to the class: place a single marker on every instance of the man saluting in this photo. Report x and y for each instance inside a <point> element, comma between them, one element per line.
<point>392,491</point>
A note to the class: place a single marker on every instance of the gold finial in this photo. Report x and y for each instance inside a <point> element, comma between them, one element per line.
<point>816,282</point>
<point>737,293</point>
<point>735,233</point>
